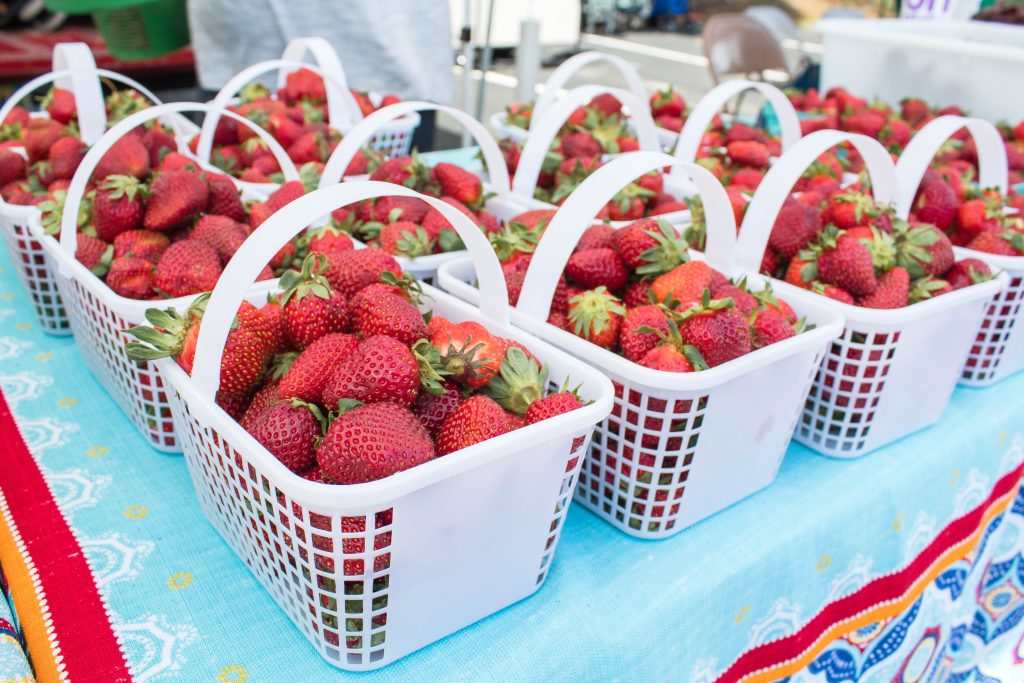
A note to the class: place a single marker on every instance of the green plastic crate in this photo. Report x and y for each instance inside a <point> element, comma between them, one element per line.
<point>134,29</point>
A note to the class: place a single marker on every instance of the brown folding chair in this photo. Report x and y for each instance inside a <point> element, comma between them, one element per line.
<point>736,44</point>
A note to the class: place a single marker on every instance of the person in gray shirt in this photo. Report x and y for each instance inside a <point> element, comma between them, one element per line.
<point>388,46</point>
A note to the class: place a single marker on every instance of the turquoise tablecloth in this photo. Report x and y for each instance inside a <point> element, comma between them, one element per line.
<point>613,608</point>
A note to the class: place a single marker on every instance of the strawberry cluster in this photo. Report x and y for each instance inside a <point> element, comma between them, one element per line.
<point>982,220</point>
<point>152,224</point>
<point>296,118</point>
<point>846,247</point>
<point>344,380</point>
<point>635,291</point>
<point>409,227</point>
<point>841,110</point>
<point>39,154</point>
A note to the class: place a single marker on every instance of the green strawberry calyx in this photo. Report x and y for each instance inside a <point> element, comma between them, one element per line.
<point>519,382</point>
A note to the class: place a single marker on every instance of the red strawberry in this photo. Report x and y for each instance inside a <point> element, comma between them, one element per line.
<point>893,291</point>
<point>914,110</point>
<point>552,405</point>
<point>768,327</point>
<point>923,249</point>
<point>580,144</point>
<point>459,183</point>
<point>40,136</point>
<point>521,381</point>
<point>141,243</point>
<point>716,329</point>
<point>329,240</point>
<point>117,206</point>
<point>640,331</point>
<point>534,219</point>
<point>221,233</point>
<point>667,102</point>
<point>311,146</point>
<point>380,369</point>
<point>12,167</point>
<point>637,294</point>
<point>383,313</point>
<point>748,153</point>
<point>685,284</point>
<point>312,369</point>
<point>991,243</point>
<point>131,277</point>
<point>849,209</point>
<point>746,179</point>
<point>373,441</point>
<point>433,409</point>
<point>406,239</point>
<point>159,143</point>
<point>223,199</point>
<point>666,357</point>
<point>746,302</point>
<point>801,272</point>
<point>65,156</point>
<point>596,268</point>
<point>175,199</point>
<point>937,204</point>
<point>128,157</point>
<point>261,400</point>
<point>350,271</point>
<point>966,272</point>
<point>392,209</point>
<point>247,351</point>
<point>478,418</point>
<point>289,430</point>
<point>836,293</point>
<point>94,254</point>
<point>601,236</point>
<point>470,355</point>
<point>60,105</point>
<point>979,215</point>
<point>596,315</point>
<point>187,267</point>
<point>846,262</point>
<point>284,195</point>
<point>312,308</point>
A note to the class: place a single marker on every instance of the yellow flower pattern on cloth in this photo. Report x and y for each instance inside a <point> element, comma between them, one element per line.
<point>179,580</point>
<point>233,673</point>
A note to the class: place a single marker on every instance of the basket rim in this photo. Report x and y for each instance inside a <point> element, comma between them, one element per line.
<point>598,388</point>
<point>829,325</point>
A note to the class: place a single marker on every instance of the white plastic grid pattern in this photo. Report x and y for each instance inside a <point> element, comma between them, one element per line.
<point>330,570</point>
<point>997,350</point>
<point>841,404</point>
<point>395,139</point>
<point>136,387</point>
<point>36,275</point>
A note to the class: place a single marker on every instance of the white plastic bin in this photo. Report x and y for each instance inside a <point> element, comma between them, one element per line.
<point>891,372</point>
<point>371,572</point>
<point>677,447</point>
<point>98,316</point>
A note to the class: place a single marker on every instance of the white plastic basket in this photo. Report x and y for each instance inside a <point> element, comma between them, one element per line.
<point>98,316</point>
<point>553,90</point>
<point>676,447</point>
<point>891,372</point>
<point>504,204</point>
<point>75,70</point>
<point>343,113</point>
<point>371,572</point>
<point>545,129</point>
<point>998,350</point>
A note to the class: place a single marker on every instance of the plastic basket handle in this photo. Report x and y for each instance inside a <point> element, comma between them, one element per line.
<point>341,106</point>
<point>356,138</point>
<point>713,103</point>
<point>75,192</point>
<point>779,180</point>
<point>223,98</point>
<point>919,153</point>
<point>76,61</point>
<point>543,131</point>
<point>560,76</point>
<point>275,232</point>
<point>580,208</point>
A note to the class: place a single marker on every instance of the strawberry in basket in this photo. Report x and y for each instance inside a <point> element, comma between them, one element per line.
<point>345,380</point>
<point>161,231</point>
<point>39,155</point>
<point>406,226</point>
<point>297,118</point>
<point>636,292</point>
<point>846,247</point>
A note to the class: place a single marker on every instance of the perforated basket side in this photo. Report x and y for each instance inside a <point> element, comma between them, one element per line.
<point>36,274</point>
<point>136,387</point>
<point>998,348</point>
<point>396,139</point>
<point>347,576</point>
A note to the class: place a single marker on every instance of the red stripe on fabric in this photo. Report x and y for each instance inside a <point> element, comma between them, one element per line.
<point>81,626</point>
<point>875,592</point>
